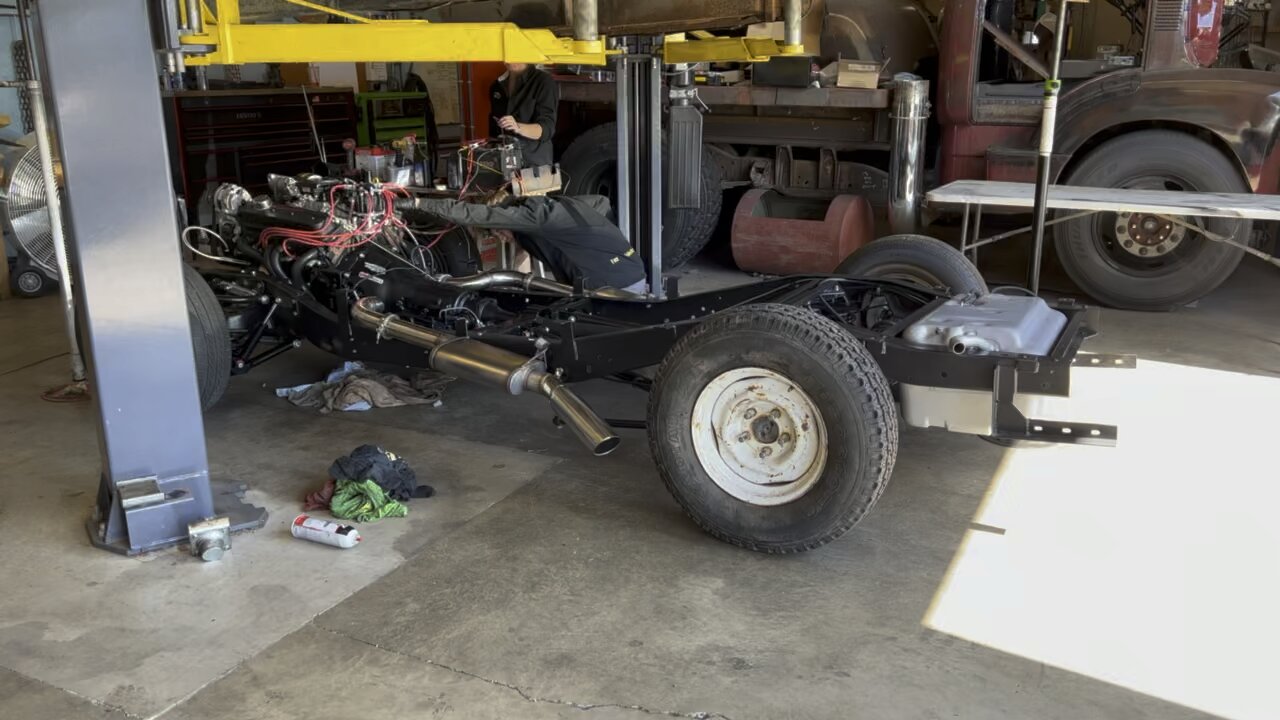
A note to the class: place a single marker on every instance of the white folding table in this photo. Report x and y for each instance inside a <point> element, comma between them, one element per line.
<point>1173,205</point>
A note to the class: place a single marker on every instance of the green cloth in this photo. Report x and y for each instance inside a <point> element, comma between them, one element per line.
<point>364,501</point>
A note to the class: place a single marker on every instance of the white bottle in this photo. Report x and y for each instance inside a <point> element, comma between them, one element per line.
<point>325,531</point>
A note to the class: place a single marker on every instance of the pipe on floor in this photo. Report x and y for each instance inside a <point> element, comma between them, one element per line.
<point>489,365</point>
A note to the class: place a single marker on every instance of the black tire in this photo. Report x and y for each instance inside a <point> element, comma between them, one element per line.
<point>917,259</point>
<point>30,283</point>
<point>1092,255</point>
<point>210,338</point>
<point>839,378</point>
<point>590,165</point>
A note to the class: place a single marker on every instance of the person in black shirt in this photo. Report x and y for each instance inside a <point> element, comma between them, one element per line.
<point>571,234</point>
<point>524,101</point>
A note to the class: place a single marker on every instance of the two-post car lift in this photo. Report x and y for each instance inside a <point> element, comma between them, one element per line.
<point>155,477</point>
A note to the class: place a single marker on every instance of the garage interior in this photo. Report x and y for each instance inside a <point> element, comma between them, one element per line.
<point>1052,580</point>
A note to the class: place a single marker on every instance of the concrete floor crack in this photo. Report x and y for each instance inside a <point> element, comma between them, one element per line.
<point>525,694</point>
<point>91,700</point>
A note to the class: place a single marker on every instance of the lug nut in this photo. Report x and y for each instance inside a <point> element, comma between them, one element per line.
<point>751,412</point>
<point>765,452</point>
<point>1128,243</point>
<point>785,438</point>
<point>743,437</point>
<point>775,413</point>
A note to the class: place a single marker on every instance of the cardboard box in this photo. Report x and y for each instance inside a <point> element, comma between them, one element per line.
<point>858,73</point>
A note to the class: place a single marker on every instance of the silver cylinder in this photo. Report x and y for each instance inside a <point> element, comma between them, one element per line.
<point>906,160</point>
<point>483,364</point>
<point>54,204</point>
<point>577,414</point>
<point>586,20</point>
<point>791,17</point>
<point>528,281</point>
<point>490,365</point>
<point>195,18</point>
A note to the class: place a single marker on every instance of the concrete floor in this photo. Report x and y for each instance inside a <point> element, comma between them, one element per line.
<point>1134,582</point>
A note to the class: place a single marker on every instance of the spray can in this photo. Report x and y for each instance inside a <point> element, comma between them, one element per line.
<point>325,531</point>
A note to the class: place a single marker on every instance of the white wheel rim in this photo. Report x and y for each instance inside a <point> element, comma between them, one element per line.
<point>759,436</point>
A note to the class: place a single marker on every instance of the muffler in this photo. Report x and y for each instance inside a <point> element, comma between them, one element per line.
<point>489,365</point>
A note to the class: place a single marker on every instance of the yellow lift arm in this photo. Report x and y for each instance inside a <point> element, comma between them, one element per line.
<point>219,38</point>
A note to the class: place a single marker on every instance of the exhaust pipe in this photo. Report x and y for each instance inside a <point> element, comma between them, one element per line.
<point>906,161</point>
<point>528,281</point>
<point>488,365</point>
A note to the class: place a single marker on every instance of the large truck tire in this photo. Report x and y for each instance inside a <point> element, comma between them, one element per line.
<point>773,427</point>
<point>210,338</point>
<point>1137,261</point>
<point>590,165</point>
<point>916,259</point>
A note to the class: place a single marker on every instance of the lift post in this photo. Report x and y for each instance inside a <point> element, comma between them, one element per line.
<point>120,212</point>
<point>638,84</point>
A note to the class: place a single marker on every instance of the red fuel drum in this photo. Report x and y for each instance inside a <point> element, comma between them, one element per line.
<point>780,236</point>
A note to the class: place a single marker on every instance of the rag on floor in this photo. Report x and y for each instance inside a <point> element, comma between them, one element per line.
<point>353,387</point>
<point>391,473</point>
<point>364,501</point>
<point>368,484</point>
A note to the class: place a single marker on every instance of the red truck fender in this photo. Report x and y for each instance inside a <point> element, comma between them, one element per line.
<point>1236,110</point>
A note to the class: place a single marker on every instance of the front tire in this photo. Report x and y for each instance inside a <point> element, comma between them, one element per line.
<point>210,338</point>
<point>773,427</point>
<point>1137,261</point>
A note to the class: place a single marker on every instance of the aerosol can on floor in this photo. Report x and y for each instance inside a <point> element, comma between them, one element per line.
<point>325,531</point>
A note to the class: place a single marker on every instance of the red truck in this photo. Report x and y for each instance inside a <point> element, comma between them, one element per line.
<point>1163,112</point>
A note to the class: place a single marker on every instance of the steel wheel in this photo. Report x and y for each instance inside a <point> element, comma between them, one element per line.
<point>1144,243</point>
<point>758,436</point>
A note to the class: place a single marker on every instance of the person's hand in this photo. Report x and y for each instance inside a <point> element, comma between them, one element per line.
<point>508,123</point>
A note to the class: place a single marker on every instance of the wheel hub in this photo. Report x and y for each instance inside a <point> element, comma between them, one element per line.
<point>759,436</point>
<point>1147,235</point>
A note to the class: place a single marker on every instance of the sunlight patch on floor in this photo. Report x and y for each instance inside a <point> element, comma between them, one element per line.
<point>1154,565</point>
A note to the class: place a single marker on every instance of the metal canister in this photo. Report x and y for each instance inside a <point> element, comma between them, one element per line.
<point>325,531</point>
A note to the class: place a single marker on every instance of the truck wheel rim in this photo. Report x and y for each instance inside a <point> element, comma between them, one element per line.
<point>759,436</point>
<point>1119,237</point>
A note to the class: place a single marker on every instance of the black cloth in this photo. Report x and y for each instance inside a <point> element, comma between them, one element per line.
<point>370,462</point>
<point>533,99</point>
<point>571,234</point>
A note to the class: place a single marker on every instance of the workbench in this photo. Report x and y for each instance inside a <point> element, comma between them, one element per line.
<point>974,195</point>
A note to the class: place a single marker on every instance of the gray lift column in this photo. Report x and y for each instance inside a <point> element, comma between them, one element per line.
<point>101,81</point>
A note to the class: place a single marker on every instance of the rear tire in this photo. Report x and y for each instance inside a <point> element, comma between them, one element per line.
<point>590,165</point>
<point>789,380</point>
<point>1093,251</point>
<point>917,259</point>
<point>210,338</point>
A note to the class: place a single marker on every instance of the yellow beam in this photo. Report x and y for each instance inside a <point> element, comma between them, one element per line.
<point>230,42</point>
<point>389,40</point>
<point>227,41</point>
<point>724,49</point>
